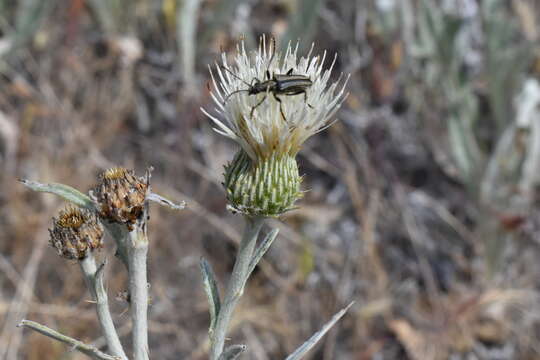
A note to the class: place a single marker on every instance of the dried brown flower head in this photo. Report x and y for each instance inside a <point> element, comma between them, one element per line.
<point>75,232</point>
<point>120,196</point>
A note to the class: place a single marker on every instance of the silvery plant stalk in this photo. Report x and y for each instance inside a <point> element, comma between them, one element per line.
<point>236,284</point>
<point>93,277</point>
<point>122,199</point>
<point>138,289</point>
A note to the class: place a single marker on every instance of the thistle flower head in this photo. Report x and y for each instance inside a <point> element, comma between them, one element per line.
<point>260,123</point>
<point>76,232</point>
<point>120,196</point>
<point>270,104</point>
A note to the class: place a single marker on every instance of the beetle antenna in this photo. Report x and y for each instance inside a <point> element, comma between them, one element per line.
<point>233,74</point>
<point>234,92</point>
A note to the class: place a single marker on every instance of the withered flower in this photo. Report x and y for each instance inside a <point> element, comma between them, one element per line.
<point>120,196</point>
<point>76,232</point>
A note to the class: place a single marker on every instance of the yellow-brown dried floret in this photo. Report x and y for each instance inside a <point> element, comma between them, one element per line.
<point>76,232</point>
<point>120,196</point>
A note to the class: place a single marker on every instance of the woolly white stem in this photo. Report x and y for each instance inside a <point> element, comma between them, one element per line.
<point>94,281</point>
<point>138,290</point>
<point>236,284</point>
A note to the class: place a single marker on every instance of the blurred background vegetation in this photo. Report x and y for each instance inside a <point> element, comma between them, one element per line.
<point>423,201</point>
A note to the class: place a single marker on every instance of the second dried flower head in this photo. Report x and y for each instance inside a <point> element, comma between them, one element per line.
<point>75,233</point>
<point>263,178</point>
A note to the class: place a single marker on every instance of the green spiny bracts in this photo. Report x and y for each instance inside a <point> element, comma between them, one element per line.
<point>268,187</point>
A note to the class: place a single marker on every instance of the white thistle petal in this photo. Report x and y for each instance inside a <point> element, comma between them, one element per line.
<point>224,129</point>
<point>269,121</point>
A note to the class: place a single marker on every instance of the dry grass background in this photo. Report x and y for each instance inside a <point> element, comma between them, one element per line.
<point>397,216</point>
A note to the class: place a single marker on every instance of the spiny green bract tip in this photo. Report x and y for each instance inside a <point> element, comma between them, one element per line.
<point>266,187</point>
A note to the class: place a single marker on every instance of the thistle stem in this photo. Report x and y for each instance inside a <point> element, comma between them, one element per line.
<point>235,287</point>
<point>138,289</point>
<point>93,277</point>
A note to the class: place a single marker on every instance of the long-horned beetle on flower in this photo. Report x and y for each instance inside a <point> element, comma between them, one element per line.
<point>288,84</point>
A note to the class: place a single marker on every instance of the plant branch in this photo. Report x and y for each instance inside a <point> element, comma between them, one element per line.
<point>137,246</point>
<point>236,284</point>
<point>93,277</point>
<point>74,343</point>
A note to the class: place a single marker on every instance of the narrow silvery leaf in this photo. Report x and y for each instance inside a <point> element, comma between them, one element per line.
<point>75,344</point>
<point>312,341</point>
<point>100,286</point>
<point>262,249</point>
<point>165,202</point>
<point>232,352</point>
<point>212,293</point>
<point>66,192</point>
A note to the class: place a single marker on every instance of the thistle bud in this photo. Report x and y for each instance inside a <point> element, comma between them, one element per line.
<point>75,233</point>
<point>120,196</point>
<point>267,187</point>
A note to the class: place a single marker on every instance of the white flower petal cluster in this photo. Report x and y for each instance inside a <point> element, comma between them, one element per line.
<point>261,130</point>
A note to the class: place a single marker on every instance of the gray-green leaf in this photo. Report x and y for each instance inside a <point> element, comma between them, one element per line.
<point>64,191</point>
<point>232,352</point>
<point>262,249</point>
<point>212,293</point>
<point>165,202</point>
<point>312,341</point>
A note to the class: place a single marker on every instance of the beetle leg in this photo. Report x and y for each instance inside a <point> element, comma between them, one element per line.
<point>256,106</point>
<point>280,107</point>
<point>290,71</point>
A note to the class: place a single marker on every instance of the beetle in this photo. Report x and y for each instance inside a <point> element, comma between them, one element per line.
<point>288,84</point>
